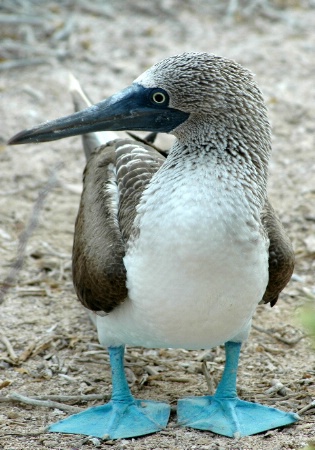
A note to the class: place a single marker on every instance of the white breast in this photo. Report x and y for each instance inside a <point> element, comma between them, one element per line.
<point>197,270</point>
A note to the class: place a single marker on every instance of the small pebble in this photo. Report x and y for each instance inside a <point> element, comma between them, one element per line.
<point>12,415</point>
<point>203,441</point>
<point>296,277</point>
<point>51,444</point>
<point>96,442</point>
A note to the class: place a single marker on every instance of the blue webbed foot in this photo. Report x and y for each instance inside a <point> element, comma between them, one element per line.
<point>224,413</point>
<point>123,416</point>
<point>116,420</point>
<point>230,417</point>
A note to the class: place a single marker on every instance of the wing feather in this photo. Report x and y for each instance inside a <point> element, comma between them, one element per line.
<point>114,179</point>
<point>281,255</point>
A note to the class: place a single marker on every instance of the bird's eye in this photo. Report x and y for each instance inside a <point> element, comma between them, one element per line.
<point>159,97</point>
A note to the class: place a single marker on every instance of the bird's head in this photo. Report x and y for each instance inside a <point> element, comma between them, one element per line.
<point>170,96</point>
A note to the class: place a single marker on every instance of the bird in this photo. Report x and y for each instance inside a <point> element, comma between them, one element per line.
<point>176,250</point>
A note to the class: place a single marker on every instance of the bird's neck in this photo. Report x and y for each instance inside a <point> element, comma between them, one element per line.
<point>240,135</point>
<point>229,155</point>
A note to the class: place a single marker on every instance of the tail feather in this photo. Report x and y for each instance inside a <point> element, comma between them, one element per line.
<point>80,100</point>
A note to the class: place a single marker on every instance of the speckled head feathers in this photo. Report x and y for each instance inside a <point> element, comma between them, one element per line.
<point>226,107</point>
<point>204,82</point>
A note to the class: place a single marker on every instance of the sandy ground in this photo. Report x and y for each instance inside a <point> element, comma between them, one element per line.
<point>54,348</point>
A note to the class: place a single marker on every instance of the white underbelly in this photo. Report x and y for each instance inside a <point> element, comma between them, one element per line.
<point>191,285</point>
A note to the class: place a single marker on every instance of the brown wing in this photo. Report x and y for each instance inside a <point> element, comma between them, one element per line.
<point>136,164</point>
<point>114,179</point>
<point>281,255</point>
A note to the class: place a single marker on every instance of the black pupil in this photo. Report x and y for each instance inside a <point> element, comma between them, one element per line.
<point>158,97</point>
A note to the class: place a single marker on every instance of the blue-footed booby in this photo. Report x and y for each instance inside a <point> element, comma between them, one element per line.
<point>177,251</point>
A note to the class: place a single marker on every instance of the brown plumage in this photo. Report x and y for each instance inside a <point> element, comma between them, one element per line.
<point>281,255</point>
<point>99,274</point>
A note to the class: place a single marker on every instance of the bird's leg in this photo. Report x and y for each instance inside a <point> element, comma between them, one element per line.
<point>224,413</point>
<point>227,386</point>
<point>123,416</point>
<point>120,388</point>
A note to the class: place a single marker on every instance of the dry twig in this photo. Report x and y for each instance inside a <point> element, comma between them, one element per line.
<point>290,342</point>
<point>209,381</point>
<point>307,407</point>
<point>277,387</point>
<point>61,398</point>
<point>30,433</point>
<point>27,353</point>
<point>15,19</point>
<point>10,350</point>
<point>23,62</point>
<point>75,398</point>
<point>26,234</point>
<point>43,403</point>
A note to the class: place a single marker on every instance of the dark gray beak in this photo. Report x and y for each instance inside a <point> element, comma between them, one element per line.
<point>130,109</point>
